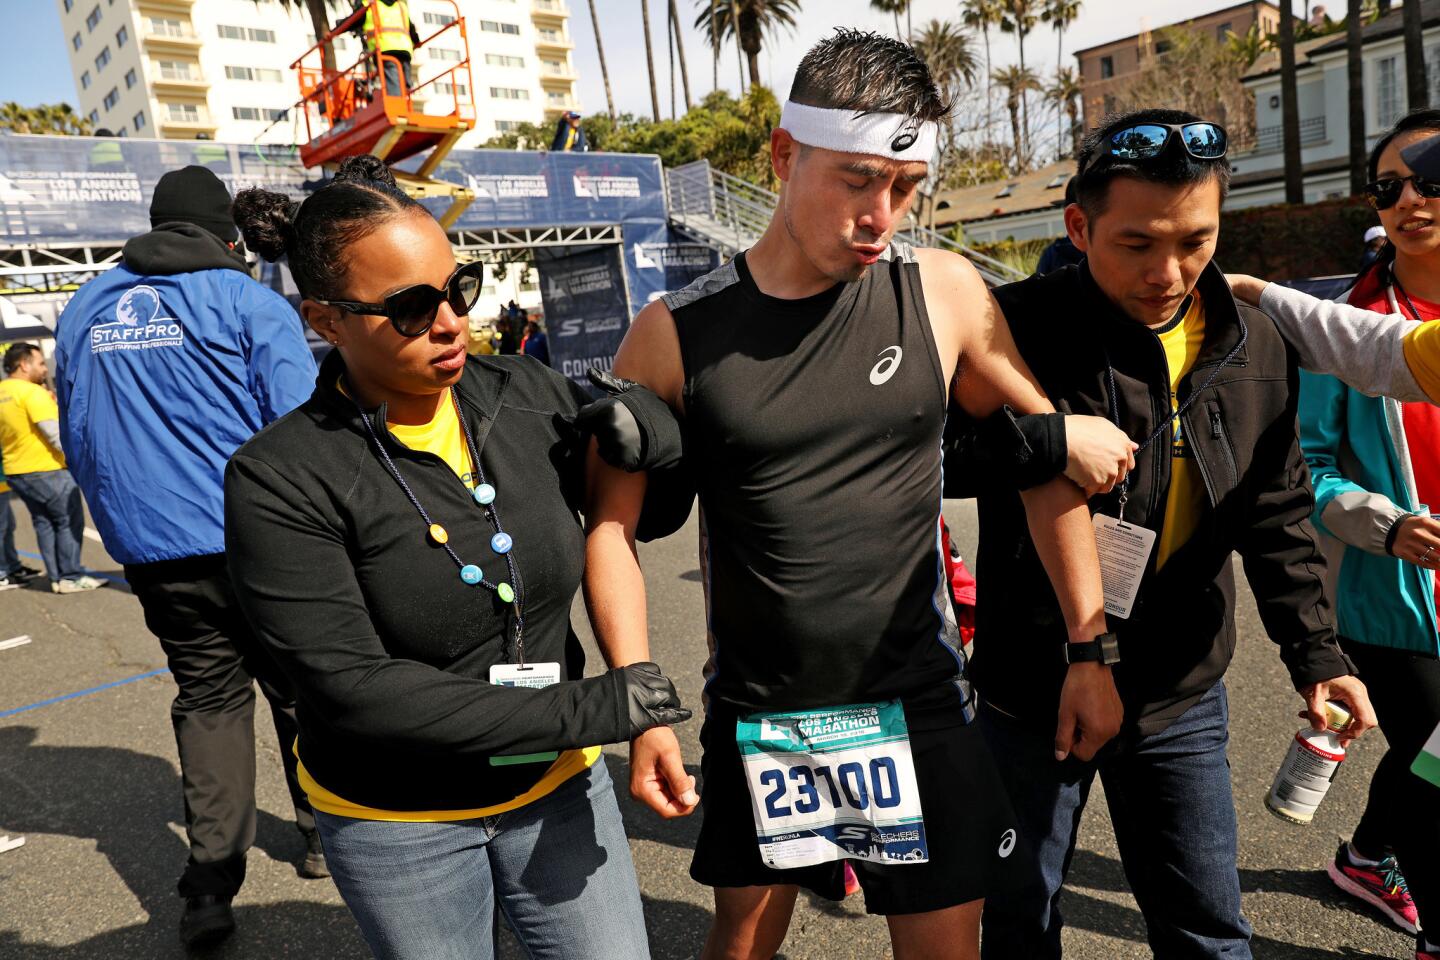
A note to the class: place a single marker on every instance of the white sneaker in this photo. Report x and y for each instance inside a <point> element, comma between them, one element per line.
<point>78,585</point>
<point>10,583</point>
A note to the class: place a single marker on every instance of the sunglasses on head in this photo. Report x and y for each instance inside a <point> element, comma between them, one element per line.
<point>411,311</point>
<point>1202,139</point>
<point>1384,194</point>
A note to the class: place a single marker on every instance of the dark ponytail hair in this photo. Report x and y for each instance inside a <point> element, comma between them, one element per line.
<point>1425,118</point>
<point>313,235</point>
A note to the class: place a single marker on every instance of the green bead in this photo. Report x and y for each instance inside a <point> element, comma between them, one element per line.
<point>506,592</point>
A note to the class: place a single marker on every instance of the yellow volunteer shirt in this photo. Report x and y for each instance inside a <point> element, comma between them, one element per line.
<point>1422,356</point>
<point>1181,339</point>
<point>22,447</point>
<point>442,437</point>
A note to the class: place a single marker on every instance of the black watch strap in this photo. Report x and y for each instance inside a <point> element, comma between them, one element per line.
<point>1104,649</point>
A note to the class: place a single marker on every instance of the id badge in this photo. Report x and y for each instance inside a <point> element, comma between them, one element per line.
<point>833,784</point>
<point>1124,551</point>
<point>534,675</point>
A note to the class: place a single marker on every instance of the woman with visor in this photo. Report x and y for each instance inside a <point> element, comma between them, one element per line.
<point>406,543</point>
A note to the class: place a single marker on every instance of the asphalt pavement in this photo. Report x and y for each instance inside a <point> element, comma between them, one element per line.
<point>92,783</point>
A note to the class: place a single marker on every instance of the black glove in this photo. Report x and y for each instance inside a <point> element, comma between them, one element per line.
<point>613,425</point>
<point>651,698</point>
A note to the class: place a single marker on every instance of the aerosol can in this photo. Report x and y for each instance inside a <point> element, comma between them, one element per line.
<point>1309,768</point>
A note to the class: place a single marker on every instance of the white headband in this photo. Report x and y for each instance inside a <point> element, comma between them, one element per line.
<point>891,135</point>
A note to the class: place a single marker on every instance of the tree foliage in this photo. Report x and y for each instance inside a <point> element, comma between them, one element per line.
<point>1195,73</point>
<point>53,119</point>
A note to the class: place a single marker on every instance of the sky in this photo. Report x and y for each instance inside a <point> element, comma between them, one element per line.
<point>35,68</point>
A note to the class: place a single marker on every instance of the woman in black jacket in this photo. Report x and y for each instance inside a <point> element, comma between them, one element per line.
<point>406,544</point>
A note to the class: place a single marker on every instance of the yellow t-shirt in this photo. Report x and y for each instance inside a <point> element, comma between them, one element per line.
<point>1181,339</point>
<point>442,436</point>
<point>22,447</point>
<point>1422,356</point>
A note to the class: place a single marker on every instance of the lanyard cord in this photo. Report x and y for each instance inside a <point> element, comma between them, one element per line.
<point>490,513</point>
<point>1395,282</point>
<point>1175,414</point>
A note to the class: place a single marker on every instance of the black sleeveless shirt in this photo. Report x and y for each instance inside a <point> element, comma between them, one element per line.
<point>814,429</point>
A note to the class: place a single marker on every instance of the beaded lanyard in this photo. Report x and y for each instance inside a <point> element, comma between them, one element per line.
<point>484,495</point>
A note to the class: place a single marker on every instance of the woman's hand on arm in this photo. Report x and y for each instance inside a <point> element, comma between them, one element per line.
<point>1246,288</point>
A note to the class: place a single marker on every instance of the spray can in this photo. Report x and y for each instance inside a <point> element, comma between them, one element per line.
<point>1309,768</point>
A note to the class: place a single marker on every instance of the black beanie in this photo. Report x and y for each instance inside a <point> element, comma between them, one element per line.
<point>194,195</point>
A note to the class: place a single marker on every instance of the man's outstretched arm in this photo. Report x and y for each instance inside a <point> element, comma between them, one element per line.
<point>614,583</point>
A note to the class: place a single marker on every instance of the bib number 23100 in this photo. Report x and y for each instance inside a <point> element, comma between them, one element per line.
<point>831,784</point>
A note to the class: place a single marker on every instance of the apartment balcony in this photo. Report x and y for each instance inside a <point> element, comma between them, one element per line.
<point>549,11</point>
<point>170,80</point>
<point>554,108</point>
<point>171,37</point>
<point>1272,139</point>
<point>552,40</point>
<point>185,124</point>
<point>563,77</point>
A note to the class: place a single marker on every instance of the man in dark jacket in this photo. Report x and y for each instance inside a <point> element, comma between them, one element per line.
<point>164,366</point>
<point>569,135</point>
<point>1145,332</point>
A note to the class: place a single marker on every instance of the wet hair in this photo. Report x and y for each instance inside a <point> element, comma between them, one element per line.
<point>314,235</point>
<point>868,73</point>
<point>18,354</point>
<point>1174,167</point>
<point>1425,118</point>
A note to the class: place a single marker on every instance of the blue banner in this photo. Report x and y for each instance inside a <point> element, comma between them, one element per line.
<point>659,260</point>
<point>587,310</point>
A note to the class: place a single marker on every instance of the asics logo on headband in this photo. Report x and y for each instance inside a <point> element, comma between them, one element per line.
<point>893,136</point>
<point>907,136</point>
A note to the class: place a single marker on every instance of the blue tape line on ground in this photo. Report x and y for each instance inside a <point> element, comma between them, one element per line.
<point>94,573</point>
<point>82,693</point>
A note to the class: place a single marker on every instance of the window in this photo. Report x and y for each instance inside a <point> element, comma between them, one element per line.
<point>112,98</point>
<point>1387,92</point>
<point>1059,180</point>
<point>130,78</point>
<point>183,112</point>
<point>69,4</point>
<point>447,89</point>
<point>509,93</point>
<point>102,58</point>
<point>167,27</point>
<point>439,19</point>
<point>92,19</point>
<point>553,66</point>
<point>122,36</point>
<point>258,113</point>
<point>557,98</point>
<point>176,70</point>
<point>505,126</point>
<point>256,74</point>
<point>1222,32</point>
<point>1006,190</point>
<point>94,118</point>
<point>1109,104</point>
<point>494,26</point>
<point>121,132</point>
<point>139,121</point>
<point>500,60</point>
<point>443,53</point>
<point>1107,68</point>
<point>252,34</point>
<point>1162,47</point>
<point>85,80</point>
<point>75,41</point>
<point>550,34</point>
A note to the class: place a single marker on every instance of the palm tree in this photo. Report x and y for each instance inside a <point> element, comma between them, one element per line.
<point>1064,93</point>
<point>1249,46</point>
<point>16,118</point>
<point>1060,14</point>
<point>319,23</point>
<point>604,71</point>
<point>982,15</point>
<point>650,58</point>
<point>1418,91</point>
<point>1019,17</point>
<point>1017,81</point>
<point>1354,63</point>
<point>750,21</point>
<point>1289,108</point>
<point>949,54</point>
<point>892,7</point>
<point>680,49</point>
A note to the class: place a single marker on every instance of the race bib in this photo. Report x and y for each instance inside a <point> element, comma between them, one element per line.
<point>832,784</point>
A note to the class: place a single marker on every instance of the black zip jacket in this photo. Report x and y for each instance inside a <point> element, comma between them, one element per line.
<point>388,650</point>
<point>1180,636</point>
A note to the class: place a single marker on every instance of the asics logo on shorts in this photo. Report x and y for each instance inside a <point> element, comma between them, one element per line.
<point>889,363</point>
<point>1007,843</point>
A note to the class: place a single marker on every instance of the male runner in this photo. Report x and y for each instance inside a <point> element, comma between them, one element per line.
<point>812,374</point>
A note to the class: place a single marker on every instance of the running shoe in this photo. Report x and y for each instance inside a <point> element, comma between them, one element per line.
<point>1381,885</point>
<point>81,584</point>
<point>24,574</point>
<point>11,582</point>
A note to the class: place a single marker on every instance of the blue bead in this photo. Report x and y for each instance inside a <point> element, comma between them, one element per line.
<point>484,494</point>
<point>471,574</point>
<point>501,543</point>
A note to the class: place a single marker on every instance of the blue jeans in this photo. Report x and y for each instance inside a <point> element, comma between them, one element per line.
<point>58,512</point>
<point>1174,818</point>
<point>9,559</point>
<point>561,868</point>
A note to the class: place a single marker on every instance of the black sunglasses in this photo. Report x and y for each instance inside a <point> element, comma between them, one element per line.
<point>1384,194</point>
<point>1203,140</point>
<point>411,311</point>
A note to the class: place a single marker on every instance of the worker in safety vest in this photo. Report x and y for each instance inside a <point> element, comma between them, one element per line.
<point>387,22</point>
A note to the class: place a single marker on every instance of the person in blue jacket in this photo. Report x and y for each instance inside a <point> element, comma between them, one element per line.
<point>165,365</point>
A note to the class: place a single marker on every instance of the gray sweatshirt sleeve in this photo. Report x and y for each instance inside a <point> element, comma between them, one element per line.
<point>1362,348</point>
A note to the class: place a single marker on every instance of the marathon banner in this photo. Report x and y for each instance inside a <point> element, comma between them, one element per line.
<point>30,316</point>
<point>97,190</point>
<point>587,310</point>
<point>659,260</point>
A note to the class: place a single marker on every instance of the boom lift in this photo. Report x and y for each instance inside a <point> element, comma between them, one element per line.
<point>352,110</point>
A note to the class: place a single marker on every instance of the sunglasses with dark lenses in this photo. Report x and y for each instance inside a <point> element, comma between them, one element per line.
<point>1203,140</point>
<point>411,311</point>
<point>1384,194</point>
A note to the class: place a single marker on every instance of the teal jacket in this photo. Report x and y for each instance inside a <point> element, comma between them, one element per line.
<point>1360,465</point>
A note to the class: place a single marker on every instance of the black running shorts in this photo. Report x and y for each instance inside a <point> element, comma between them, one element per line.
<point>969,825</point>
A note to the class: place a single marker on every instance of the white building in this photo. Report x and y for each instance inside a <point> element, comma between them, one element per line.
<point>181,69</point>
<point>1322,94</point>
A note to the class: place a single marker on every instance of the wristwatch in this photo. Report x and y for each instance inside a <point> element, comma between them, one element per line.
<point>1104,649</point>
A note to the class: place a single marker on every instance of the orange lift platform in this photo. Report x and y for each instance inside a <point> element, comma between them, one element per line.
<point>353,110</point>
